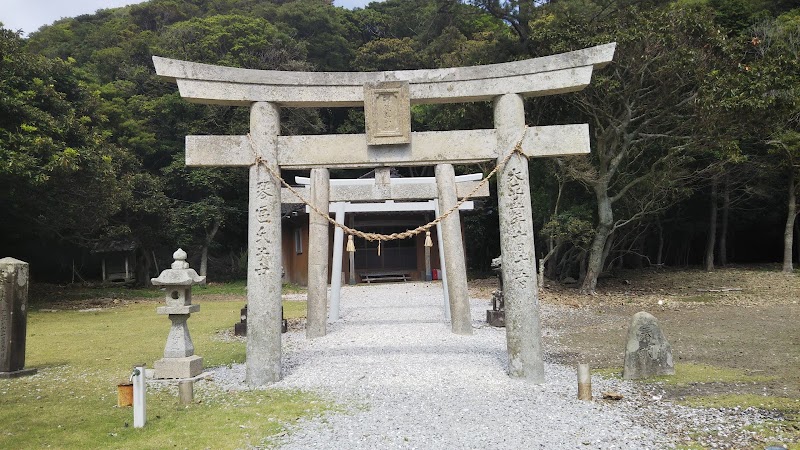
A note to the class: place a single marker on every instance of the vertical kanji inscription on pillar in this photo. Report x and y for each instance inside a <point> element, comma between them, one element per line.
<point>263,239</point>
<point>516,188</point>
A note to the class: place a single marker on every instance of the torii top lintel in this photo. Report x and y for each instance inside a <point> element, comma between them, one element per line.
<point>555,74</point>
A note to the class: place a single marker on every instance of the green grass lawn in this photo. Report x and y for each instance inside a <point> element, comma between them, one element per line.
<point>82,356</point>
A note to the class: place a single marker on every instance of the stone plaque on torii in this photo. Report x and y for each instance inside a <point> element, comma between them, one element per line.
<point>388,142</point>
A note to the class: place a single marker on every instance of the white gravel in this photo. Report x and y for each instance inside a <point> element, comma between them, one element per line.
<point>403,380</point>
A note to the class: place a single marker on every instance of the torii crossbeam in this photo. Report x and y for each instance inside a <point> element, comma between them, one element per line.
<point>386,97</point>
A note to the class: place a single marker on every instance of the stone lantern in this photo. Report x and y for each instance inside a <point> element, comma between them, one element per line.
<point>179,360</point>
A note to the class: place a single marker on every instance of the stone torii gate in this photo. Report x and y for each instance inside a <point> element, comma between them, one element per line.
<point>386,97</point>
<point>380,189</point>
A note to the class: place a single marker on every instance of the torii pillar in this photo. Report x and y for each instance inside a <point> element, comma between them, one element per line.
<point>521,294</point>
<point>264,250</point>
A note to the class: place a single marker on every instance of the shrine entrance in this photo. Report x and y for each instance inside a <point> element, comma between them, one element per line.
<point>388,141</point>
<point>395,256</point>
<point>383,194</point>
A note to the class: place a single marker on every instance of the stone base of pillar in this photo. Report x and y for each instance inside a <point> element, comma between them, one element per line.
<point>17,373</point>
<point>187,367</point>
<point>496,318</point>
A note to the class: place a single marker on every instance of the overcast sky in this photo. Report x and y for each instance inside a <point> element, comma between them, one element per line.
<point>29,15</point>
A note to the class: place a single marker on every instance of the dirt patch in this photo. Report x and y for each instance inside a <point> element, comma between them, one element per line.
<point>742,318</point>
<point>759,340</point>
<point>737,320</point>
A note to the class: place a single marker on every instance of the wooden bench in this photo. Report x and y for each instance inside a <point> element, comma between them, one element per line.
<point>369,277</point>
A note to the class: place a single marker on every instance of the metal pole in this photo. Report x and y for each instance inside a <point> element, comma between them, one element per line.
<point>139,396</point>
<point>336,267</point>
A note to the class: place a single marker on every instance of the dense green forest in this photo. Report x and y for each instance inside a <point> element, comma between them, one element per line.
<point>695,127</point>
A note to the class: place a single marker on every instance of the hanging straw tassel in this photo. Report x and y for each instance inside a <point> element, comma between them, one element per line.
<point>428,241</point>
<point>351,246</point>
<point>379,248</point>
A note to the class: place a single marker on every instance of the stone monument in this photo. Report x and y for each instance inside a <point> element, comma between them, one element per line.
<point>179,360</point>
<point>387,97</point>
<point>647,351</point>
<point>496,316</point>
<point>13,317</point>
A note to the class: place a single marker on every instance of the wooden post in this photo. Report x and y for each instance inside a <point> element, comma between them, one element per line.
<point>186,392</point>
<point>584,383</point>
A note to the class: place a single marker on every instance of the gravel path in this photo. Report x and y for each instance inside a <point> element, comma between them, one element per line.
<point>405,381</point>
<point>401,379</point>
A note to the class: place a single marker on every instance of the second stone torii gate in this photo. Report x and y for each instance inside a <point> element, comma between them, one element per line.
<point>379,189</point>
<point>386,97</point>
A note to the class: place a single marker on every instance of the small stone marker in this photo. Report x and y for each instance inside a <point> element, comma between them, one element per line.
<point>179,360</point>
<point>186,392</point>
<point>647,352</point>
<point>240,329</point>
<point>584,383</point>
<point>13,317</point>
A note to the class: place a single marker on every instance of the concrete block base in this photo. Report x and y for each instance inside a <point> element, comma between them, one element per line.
<point>496,318</point>
<point>187,367</point>
<point>17,373</point>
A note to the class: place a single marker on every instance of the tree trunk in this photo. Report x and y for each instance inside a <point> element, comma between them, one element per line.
<point>204,252</point>
<point>788,232</point>
<point>711,242</point>
<point>639,259</point>
<point>204,263</point>
<point>598,250</point>
<point>552,248</point>
<point>723,232</point>
<point>607,250</point>
<point>551,265</point>
<point>660,254</point>
<point>143,265</point>
<point>797,247</point>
